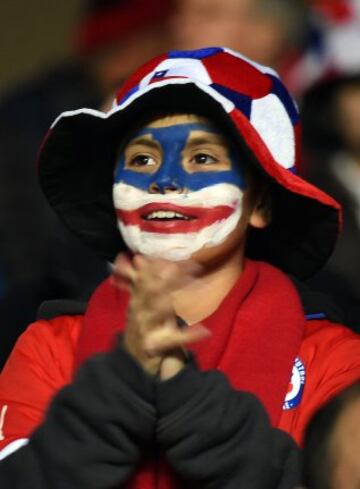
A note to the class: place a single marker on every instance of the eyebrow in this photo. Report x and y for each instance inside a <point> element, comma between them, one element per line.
<point>144,141</point>
<point>212,139</point>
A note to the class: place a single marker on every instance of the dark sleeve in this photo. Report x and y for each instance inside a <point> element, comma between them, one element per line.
<point>94,433</point>
<point>217,437</point>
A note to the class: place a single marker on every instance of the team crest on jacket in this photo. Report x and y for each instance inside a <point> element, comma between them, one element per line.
<point>296,386</point>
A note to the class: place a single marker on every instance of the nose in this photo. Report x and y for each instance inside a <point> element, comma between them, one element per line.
<point>165,186</point>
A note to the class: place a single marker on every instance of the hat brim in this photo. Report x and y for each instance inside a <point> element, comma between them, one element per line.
<point>76,172</point>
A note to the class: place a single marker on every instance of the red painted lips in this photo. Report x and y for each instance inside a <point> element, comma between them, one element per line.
<point>169,218</point>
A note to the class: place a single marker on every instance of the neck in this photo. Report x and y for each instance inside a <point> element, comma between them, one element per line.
<point>202,297</point>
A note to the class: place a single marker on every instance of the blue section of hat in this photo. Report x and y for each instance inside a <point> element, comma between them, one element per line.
<point>281,92</point>
<point>241,101</point>
<point>196,54</point>
<point>128,94</point>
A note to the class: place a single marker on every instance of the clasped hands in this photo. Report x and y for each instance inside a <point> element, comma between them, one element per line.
<point>152,335</point>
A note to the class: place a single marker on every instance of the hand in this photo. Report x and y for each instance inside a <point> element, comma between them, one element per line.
<point>172,364</point>
<point>152,335</point>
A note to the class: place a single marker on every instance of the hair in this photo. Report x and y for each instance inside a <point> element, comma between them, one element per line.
<point>318,456</point>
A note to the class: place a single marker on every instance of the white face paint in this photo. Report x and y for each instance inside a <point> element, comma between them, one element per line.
<point>206,218</point>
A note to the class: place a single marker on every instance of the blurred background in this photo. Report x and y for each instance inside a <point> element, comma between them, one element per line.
<point>57,56</point>
<point>32,35</point>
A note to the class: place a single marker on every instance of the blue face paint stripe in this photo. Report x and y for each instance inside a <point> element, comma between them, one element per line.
<point>173,140</point>
<point>198,181</point>
<point>156,134</point>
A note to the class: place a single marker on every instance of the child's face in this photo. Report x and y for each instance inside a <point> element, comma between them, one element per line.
<point>179,188</point>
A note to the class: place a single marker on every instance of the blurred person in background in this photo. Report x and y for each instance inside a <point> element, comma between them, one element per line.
<point>340,20</point>
<point>331,126</point>
<point>332,443</point>
<point>38,257</point>
<point>271,32</point>
<point>333,32</point>
<point>302,39</point>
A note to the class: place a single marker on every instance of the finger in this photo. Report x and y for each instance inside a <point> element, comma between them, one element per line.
<point>145,318</point>
<point>120,283</point>
<point>155,276</point>
<point>164,268</point>
<point>140,261</point>
<point>167,338</point>
<point>178,271</point>
<point>124,269</point>
<point>172,364</point>
<point>164,278</point>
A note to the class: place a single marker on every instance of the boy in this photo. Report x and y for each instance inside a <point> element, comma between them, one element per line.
<point>195,166</point>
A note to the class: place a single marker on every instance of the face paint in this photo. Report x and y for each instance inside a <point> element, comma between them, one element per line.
<point>209,216</point>
<point>202,209</point>
<point>172,140</point>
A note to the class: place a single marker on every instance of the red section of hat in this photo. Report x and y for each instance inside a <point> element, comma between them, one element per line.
<point>224,69</point>
<point>298,147</point>
<point>281,175</point>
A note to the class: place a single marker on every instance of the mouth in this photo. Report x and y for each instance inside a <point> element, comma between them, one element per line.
<point>166,215</point>
<point>169,218</point>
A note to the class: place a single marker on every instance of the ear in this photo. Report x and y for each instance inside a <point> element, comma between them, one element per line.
<point>260,216</point>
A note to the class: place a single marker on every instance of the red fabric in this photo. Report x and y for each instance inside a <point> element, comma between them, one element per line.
<point>42,362</point>
<point>108,25</point>
<point>250,342</point>
<point>331,356</point>
<point>249,83</point>
<point>298,147</point>
<point>281,175</point>
<point>256,334</point>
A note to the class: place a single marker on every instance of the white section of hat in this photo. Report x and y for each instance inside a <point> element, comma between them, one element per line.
<point>270,119</point>
<point>180,67</point>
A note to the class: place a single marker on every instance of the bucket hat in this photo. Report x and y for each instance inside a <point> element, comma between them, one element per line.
<point>248,100</point>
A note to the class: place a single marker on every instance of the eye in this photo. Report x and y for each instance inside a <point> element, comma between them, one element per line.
<point>142,160</point>
<point>203,159</point>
